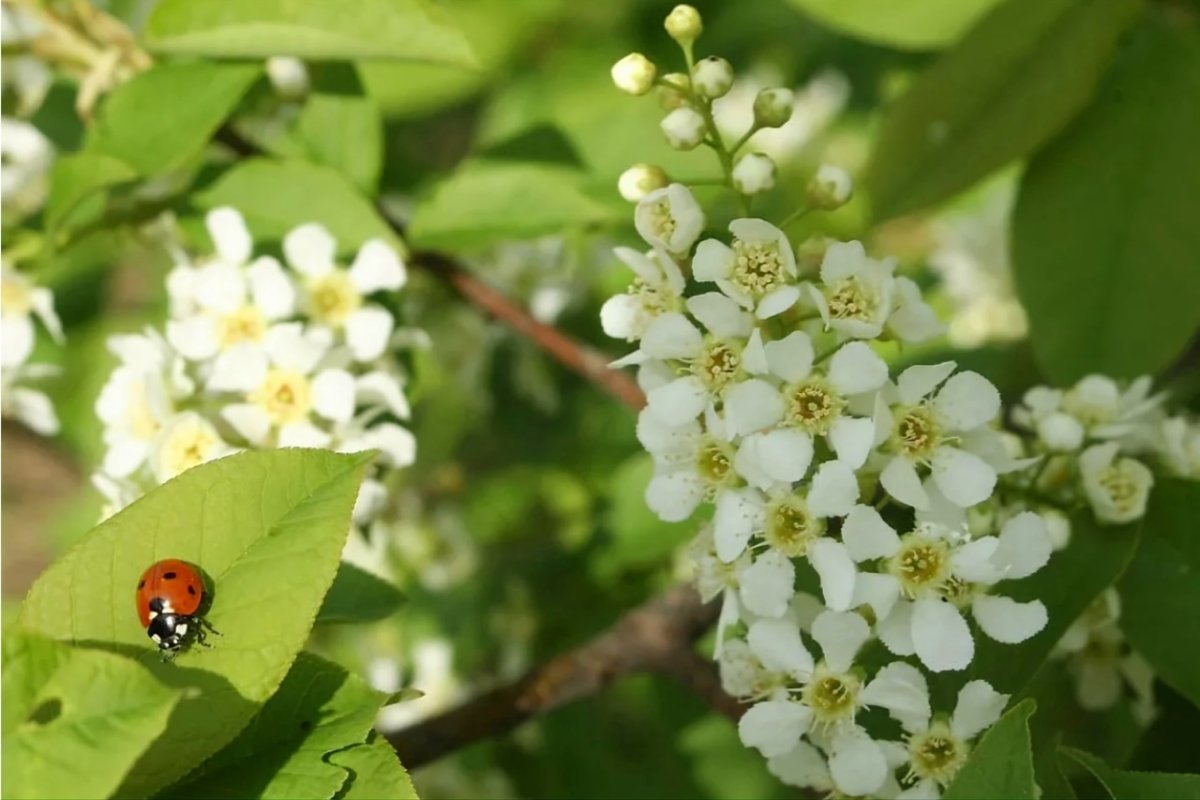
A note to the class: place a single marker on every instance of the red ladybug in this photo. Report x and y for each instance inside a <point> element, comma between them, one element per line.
<point>169,596</point>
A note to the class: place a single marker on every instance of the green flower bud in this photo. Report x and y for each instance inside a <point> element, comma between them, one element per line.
<point>773,107</point>
<point>684,25</point>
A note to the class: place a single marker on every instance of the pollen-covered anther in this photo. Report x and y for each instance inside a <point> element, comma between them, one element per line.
<point>758,268</point>
<point>936,754</point>
<point>813,405</point>
<point>714,463</point>
<point>917,433</point>
<point>832,696</point>
<point>921,564</point>
<point>790,528</point>
<point>851,299</point>
<point>718,365</point>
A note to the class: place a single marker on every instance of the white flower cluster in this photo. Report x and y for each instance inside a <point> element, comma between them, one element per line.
<point>1089,435</point>
<point>1102,662</point>
<point>21,301</point>
<point>257,354</point>
<point>767,399</point>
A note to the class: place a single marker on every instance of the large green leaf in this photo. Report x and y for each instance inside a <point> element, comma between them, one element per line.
<point>77,179</point>
<point>1094,560</point>
<point>1160,592</point>
<point>276,196</point>
<point>267,529</point>
<point>486,202</point>
<point>344,132</point>
<point>359,596</point>
<point>1130,785</point>
<point>1001,764</point>
<point>1105,239</point>
<point>375,772</point>
<point>320,708</point>
<point>1009,85</point>
<point>75,721</point>
<point>916,25</point>
<point>410,30</point>
<point>164,116</point>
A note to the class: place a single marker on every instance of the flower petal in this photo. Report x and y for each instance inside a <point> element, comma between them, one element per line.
<point>720,315</point>
<point>303,434</point>
<point>368,331</point>
<point>965,478</point>
<point>1024,546</point>
<point>679,401</point>
<point>901,481</point>
<point>895,630</point>
<point>752,406</point>
<point>271,289</point>
<point>841,635</point>
<point>918,381</point>
<point>856,763</point>
<point>1006,620</point>
<point>902,689</point>
<point>856,368</point>
<point>967,401</point>
<point>250,421</point>
<point>867,536</point>
<point>229,235</point>
<point>791,357</point>
<point>377,267</point>
<point>713,260</point>
<point>774,727</point>
<point>836,571</point>
<point>767,585</point>
<point>239,369</point>
<point>777,301</point>
<point>382,388</point>
<point>310,249</point>
<point>804,767</point>
<point>194,337</point>
<point>777,644</point>
<point>674,495</point>
<point>876,590</point>
<point>784,454</point>
<point>333,394</point>
<point>852,438</point>
<point>834,490</point>
<point>940,636</point>
<point>738,514</point>
<point>978,707</point>
<point>672,335</point>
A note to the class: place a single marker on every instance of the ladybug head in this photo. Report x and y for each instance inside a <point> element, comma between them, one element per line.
<point>166,628</point>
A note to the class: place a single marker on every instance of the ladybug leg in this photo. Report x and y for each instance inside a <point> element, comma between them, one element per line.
<point>204,623</point>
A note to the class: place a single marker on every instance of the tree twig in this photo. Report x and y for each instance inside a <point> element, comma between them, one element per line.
<point>657,637</point>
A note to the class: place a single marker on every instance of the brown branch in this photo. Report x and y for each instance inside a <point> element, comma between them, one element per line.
<point>655,638</point>
<point>590,364</point>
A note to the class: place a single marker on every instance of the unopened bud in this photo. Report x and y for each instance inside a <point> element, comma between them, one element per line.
<point>754,173</point>
<point>773,107</point>
<point>674,91</point>
<point>830,188</point>
<point>684,25</point>
<point>712,77</point>
<point>634,74</point>
<point>641,179</point>
<point>684,128</point>
<point>289,76</point>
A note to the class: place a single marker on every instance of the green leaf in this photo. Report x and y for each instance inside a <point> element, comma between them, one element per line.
<point>346,133</point>
<point>276,196</point>
<point>79,177</point>
<point>1104,235</point>
<point>375,772</point>
<point>359,596</point>
<point>408,30</point>
<point>487,202</point>
<point>75,721</point>
<point>640,538</point>
<point>266,529</point>
<point>1075,576</point>
<point>164,116</point>
<point>319,708</point>
<point>1160,593</point>
<point>914,25</point>
<point>1008,86</point>
<point>1001,764</point>
<point>1129,785</point>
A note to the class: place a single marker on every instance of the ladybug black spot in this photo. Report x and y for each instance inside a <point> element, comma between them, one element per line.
<point>191,589</point>
<point>168,576</point>
<point>141,584</point>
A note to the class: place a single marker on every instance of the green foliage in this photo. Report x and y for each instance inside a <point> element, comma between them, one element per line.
<point>640,538</point>
<point>411,30</point>
<point>346,133</point>
<point>60,702</point>
<point>486,202</point>
<point>1128,785</point>
<point>359,596</point>
<point>1160,592</point>
<point>1000,766</point>
<point>79,178</point>
<point>1094,560</point>
<point>1006,88</point>
<point>285,751</point>
<point>917,25</point>
<point>1104,240</point>
<point>374,772</point>
<point>276,196</point>
<point>161,118</point>
<point>266,528</point>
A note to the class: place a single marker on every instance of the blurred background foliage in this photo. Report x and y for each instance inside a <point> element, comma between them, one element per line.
<point>526,531</point>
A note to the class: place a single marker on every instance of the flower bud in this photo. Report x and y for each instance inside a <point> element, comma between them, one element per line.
<point>673,93</point>
<point>754,173</point>
<point>712,77</point>
<point>634,74</point>
<point>639,180</point>
<point>830,188</point>
<point>684,25</point>
<point>684,128</point>
<point>289,77</point>
<point>773,107</point>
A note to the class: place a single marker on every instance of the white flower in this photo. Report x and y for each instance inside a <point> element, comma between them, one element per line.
<point>657,288</point>
<point>1107,411</point>
<point>1117,488</point>
<point>754,173</point>
<point>912,320</point>
<point>20,302</point>
<point>634,74</point>
<point>684,128</point>
<point>669,219</point>
<point>1179,446</point>
<point>289,76</point>
<point>925,429</point>
<point>856,293</point>
<point>938,748</point>
<point>335,297</point>
<point>29,406</point>
<point>757,271</point>
<point>829,188</point>
<point>767,585</point>
<point>639,180</point>
<point>183,442</point>
<point>27,159</point>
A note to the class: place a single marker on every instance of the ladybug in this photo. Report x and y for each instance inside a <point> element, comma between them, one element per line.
<point>169,596</point>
